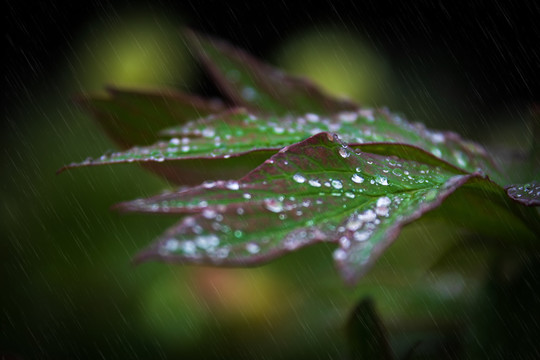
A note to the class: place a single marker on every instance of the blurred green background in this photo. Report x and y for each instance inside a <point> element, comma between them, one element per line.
<point>68,288</point>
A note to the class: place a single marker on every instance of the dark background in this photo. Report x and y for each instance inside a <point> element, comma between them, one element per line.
<point>491,46</point>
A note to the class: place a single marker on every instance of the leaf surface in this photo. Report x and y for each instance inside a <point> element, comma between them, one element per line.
<point>319,190</point>
<point>237,132</point>
<point>134,117</point>
<point>526,194</point>
<point>250,83</point>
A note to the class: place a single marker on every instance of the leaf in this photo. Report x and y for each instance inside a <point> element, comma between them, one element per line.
<point>134,117</point>
<point>526,194</point>
<point>258,86</point>
<point>367,336</point>
<point>318,190</point>
<point>237,132</point>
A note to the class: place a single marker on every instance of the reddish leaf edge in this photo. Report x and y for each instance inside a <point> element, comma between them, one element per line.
<point>511,191</point>
<point>195,39</point>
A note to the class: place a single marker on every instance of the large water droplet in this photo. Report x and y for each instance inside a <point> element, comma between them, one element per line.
<point>232,185</point>
<point>336,184</point>
<point>383,201</point>
<point>381,180</point>
<point>357,179</point>
<point>299,178</point>
<point>344,153</point>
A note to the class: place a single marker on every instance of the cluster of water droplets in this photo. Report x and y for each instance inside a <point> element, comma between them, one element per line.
<point>528,192</point>
<point>215,235</point>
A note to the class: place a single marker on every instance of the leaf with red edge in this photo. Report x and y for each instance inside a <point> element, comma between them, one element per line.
<point>318,190</point>
<point>237,133</point>
<point>250,83</point>
<point>527,194</point>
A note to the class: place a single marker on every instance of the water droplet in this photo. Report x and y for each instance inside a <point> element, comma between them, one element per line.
<point>382,211</point>
<point>209,213</point>
<point>368,215</point>
<point>339,255</point>
<point>336,184</point>
<point>314,183</point>
<point>312,117</point>
<point>209,132</point>
<point>174,141</point>
<point>158,156</point>
<point>273,205</point>
<point>299,178</point>
<point>381,180</point>
<point>344,153</point>
<point>357,179</point>
<point>222,253</point>
<point>232,185</point>
<point>347,117</point>
<point>252,248</point>
<point>436,151</point>
<point>367,114</point>
<point>344,242</point>
<point>246,196</point>
<point>460,158</point>
<point>207,241</point>
<point>209,184</point>
<point>171,245</point>
<point>354,223</point>
<point>361,235</point>
<point>383,201</point>
<point>279,130</point>
<point>437,138</point>
<point>238,234</point>
<point>188,247</point>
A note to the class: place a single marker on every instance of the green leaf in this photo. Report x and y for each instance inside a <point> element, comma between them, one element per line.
<point>366,333</point>
<point>258,86</point>
<point>237,132</point>
<point>318,190</point>
<point>134,117</point>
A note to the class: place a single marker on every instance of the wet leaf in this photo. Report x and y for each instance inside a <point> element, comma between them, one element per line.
<point>527,194</point>
<point>134,117</point>
<point>318,190</point>
<point>238,132</point>
<point>260,87</point>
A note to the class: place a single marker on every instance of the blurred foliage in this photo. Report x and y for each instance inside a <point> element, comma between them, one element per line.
<point>69,290</point>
